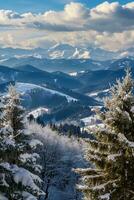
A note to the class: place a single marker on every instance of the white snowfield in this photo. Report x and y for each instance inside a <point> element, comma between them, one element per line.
<point>80,54</point>
<point>76,73</point>
<point>93,94</point>
<point>96,94</point>
<point>73,73</point>
<point>25,87</point>
<point>38,112</point>
<point>57,54</point>
<point>91,120</point>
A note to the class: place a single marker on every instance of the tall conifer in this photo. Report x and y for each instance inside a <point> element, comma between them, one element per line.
<point>18,160</point>
<point>111,153</point>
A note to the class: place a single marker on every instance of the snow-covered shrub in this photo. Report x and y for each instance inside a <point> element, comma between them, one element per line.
<point>59,155</point>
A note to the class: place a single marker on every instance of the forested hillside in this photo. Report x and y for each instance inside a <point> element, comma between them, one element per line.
<point>47,162</point>
<point>36,162</point>
<point>66,100</point>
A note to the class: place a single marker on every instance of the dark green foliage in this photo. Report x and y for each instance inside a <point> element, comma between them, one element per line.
<point>69,110</point>
<point>18,160</point>
<point>70,130</point>
<point>112,151</point>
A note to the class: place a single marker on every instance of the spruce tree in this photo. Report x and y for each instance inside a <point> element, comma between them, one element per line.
<point>111,152</point>
<point>18,160</point>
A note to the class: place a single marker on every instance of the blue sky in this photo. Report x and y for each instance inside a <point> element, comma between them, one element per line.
<point>43,5</point>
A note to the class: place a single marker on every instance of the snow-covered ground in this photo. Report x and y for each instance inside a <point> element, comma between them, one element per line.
<point>98,95</point>
<point>38,112</point>
<point>76,73</point>
<point>73,73</point>
<point>25,87</point>
<point>90,120</point>
<point>80,54</point>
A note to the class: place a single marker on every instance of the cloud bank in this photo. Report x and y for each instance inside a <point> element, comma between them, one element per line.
<point>108,25</point>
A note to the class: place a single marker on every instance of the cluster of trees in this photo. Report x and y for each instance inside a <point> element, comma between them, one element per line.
<point>59,154</point>
<point>111,152</point>
<point>19,168</point>
<point>40,97</point>
<point>28,167</point>
<point>69,110</point>
<point>70,130</point>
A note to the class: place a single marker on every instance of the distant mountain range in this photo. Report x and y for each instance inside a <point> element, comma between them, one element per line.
<point>44,83</point>
<point>65,65</point>
<point>79,81</point>
<point>64,51</point>
<point>35,76</point>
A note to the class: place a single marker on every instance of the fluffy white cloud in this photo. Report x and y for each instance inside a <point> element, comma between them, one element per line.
<point>108,17</point>
<point>112,17</point>
<point>75,11</point>
<point>108,25</point>
<point>115,41</point>
<point>6,39</point>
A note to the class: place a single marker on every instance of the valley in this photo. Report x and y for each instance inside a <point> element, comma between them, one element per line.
<point>68,88</point>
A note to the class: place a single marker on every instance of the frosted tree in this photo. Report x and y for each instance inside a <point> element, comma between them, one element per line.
<point>7,144</point>
<point>59,155</point>
<point>111,152</point>
<point>18,160</point>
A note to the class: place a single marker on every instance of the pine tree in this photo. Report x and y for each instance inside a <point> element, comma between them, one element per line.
<point>18,160</point>
<point>111,152</point>
<point>6,146</point>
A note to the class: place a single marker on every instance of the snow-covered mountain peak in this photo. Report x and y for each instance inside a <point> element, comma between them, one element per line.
<point>61,47</point>
<point>81,54</point>
<point>57,54</point>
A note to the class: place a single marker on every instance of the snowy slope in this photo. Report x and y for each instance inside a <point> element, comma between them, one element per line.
<point>80,54</point>
<point>92,122</point>
<point>25,87</point>
<point>99,95</point>
<point>38,112</point>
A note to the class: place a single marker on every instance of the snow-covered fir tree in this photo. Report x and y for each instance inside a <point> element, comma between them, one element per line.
<point>6,144</point>
<point>19,171</point>
<point>112,150</point>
